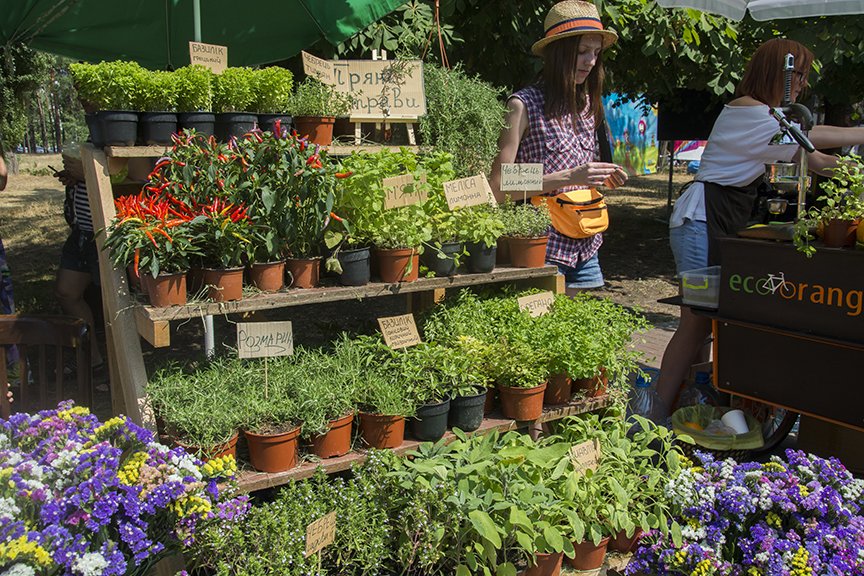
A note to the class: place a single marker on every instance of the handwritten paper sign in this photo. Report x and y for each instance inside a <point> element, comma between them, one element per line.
<point>321,69</point>
<point>467,191</point>
<point>382,89</point>
<point>585,456</point>
<point>264,339</point>
<point>399,331</point>
<point>320,533</point>
<point>521,177</point>
<point>536,304</point>
<point>403,191</point>
<point>212,56</point>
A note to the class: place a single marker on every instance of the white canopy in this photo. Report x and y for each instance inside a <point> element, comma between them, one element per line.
<point>770,9</point>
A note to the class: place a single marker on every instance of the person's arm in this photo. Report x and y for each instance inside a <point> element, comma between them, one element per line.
<point>823,136</point>
<point>590,174</point>
<point>821,163</point>
<point>4,175</point>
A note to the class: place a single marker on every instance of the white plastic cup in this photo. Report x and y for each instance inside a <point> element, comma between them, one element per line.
<point>735,420</point>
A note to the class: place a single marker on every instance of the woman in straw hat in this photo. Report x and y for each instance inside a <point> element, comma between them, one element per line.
<point>553,122</point>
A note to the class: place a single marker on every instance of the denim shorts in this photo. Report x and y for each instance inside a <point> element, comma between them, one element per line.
<point>81,255</point>
<point>585,275</point>
<point>689,245</point>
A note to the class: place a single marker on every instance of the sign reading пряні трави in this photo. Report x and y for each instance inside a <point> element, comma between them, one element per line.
<point>211,56</point>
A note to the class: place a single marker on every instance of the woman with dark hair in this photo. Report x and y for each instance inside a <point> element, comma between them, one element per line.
<point>721,199</point>
<point>553,122</point>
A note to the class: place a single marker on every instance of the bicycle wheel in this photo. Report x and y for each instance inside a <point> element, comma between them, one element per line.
<point>776,422</point>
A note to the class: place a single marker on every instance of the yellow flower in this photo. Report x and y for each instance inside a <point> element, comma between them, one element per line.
<point>772,519</point>
<point>68,415</point>
<point>188,505</point>
<point>754,571</point>
<point>773,467</point>
<point>105,430</point>
<point>803,490</point>
<point>703,568</point>
<point>222,466</point>
<point>131,471</point>
<point>22,547</point>
<point>799,563</point>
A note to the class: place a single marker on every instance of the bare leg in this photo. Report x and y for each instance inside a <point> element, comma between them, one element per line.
<point>682,351</point>
<point>69,291</point>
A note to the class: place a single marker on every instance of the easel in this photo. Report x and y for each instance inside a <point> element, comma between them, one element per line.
<point>384,119</point>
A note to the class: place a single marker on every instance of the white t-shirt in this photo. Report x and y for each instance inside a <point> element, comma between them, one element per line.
<point>736,153</point>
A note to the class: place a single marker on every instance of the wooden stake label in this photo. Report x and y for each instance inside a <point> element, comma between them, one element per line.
<point>521,177</point>
<point>264,339</point>
<point>399,331</point>
<point>470,191</point>
<point>320,69</point>
<point>320,533</point>
<point>403,191</point>
<point>585,456</point>
<point>536,304</point>
<point>212,56</point>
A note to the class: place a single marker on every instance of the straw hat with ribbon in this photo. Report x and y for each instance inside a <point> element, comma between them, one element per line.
<point>572,18</point>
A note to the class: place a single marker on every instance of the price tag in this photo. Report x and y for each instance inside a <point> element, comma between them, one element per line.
<point>264,339</point>
<point>399,331</point>
<point>403,191</point>
<point>320,533</point>
<point>521,177</point>
<point>212,56</point>
<point>585,456</point>
<point>470,191</point>
<point>320,69</point>
<point>536,304</point>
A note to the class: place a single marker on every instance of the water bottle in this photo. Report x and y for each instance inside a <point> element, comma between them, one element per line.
<point>644,400</point>
<point>694,394</point>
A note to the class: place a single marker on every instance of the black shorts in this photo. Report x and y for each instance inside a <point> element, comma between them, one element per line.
<point>80,254</point>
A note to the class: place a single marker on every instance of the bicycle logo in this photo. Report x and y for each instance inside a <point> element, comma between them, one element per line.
<point>774,282</point>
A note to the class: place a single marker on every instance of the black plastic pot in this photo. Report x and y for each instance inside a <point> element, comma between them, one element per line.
<point>203,123</point>
<point>481,258</point>
<point>356,268</point>
<point>267,122</point>
<point>466,412</point>
<point>234,124</point>
<point>445,266</point>
<point>119,128</point>
<point>430,422</point>
<point>156,128</point>
<point>94,124</point>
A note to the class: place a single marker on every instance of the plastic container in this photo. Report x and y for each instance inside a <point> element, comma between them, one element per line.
<point>701,287</point>
<point>694,393</point>
<point>644,400</point>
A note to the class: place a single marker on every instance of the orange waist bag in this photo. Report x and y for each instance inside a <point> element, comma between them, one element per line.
<point>578,213</point>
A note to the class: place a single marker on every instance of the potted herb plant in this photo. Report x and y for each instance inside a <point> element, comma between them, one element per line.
<point>314,107</point>
<point>158,119</point>
<point>463,369</point>
<point>223,230</point>
<point>195,99</point>
<point>837,210</point>
<point>272,97</point>
<point>418,367</point>
<point>112,91</point>
<point>519,372</point>
<point>232,101</point>
<point>480,227</point>
<point>527,230</point>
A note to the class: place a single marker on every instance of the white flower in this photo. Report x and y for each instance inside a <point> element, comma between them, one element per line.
<point>8,509</point>
<point>90,564</point>
<point>19,570</point>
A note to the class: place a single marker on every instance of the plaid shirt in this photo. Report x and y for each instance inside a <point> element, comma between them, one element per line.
<point>559,144</point>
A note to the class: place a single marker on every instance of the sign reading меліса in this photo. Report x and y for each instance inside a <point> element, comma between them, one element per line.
<point>382,89</point>
<point>521,177</point>
<point>470,191</point>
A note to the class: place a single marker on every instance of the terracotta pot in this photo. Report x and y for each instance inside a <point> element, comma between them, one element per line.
<point>621,543</point>
<point>545,565</point>
<point>318,129</point>
<point>229,448</point>
<point>267,276</point>
<point>273,452</point>
<point>224,284</point>
<point>528,252</point>
<point>134,279</point>
<point>594,386</point>
<point>839,233</point>
<point>382,430</point>
<point>502,255</point>
<point>166,289</point>
<point>195,281</point>
<point>393,264</point>
<point>522,403</point>
<point>588,556</point>
<point>337,440</point>
<point>305,272</point>
<point>558,390</point>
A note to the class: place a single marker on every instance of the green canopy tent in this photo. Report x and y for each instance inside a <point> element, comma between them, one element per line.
<point>156,33</point>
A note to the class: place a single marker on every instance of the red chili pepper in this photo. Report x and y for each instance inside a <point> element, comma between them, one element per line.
<point>135,260</point>
<point>152,239</point>
<point>161,231</point>
<point>335,217</point>
<point>343,174</point>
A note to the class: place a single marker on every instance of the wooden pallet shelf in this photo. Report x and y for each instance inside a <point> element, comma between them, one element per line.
<point>335,150</point>
<point>250,480</point>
